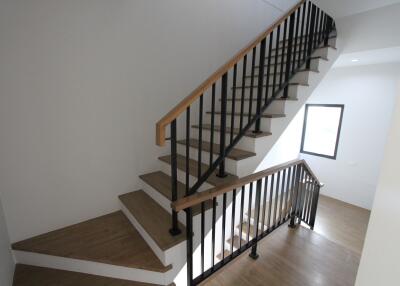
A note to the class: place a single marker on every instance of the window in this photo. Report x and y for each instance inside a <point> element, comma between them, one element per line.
<point>321,130</point>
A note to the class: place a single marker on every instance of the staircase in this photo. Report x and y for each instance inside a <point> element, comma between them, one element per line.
<point>218,136</point>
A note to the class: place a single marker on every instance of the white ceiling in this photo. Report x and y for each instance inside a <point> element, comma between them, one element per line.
<point>380,56</point>
<point>342,8</point>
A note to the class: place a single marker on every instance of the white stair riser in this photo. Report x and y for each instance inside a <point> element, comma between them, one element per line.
<point>331,42</point>
<point>313,66</point>
<point>166,256</point>
<point>318,52</point>
<point>166,168</point>
<point>300,77</point>
<point>265,122</point>
<point>292,92</point>
<point>246,143</point>
<point>276,107</point>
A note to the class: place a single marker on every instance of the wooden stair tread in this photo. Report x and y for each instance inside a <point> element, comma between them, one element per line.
<point>249,133</point>
<point>26,275</point>
<point>265,115</point>
<point>153,218</point>
<point>212,180</point>
<point>109,239</point>
<point>162,183</point>
<point>235,154</point>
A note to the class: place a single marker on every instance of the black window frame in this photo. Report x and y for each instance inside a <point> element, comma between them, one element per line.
<point>341,106</point>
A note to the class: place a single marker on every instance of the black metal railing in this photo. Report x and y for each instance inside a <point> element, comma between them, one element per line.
<point>259,203</point>
<point>259,77</point>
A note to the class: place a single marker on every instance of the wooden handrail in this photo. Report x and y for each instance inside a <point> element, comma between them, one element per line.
<point>186,102</point>
<point>200,197</point>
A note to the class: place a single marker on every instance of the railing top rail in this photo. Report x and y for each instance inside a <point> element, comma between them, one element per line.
<point>200,197</point>
<point>186,102</point>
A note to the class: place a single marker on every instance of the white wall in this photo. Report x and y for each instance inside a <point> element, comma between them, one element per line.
<point>375,29</point>
<point>368,93</point>
<point>6,259</point>
<point>288,145</point>
<point>380,259</point>
<point>82,84</point>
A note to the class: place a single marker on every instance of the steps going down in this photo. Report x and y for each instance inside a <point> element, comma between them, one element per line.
<point>133,246</point>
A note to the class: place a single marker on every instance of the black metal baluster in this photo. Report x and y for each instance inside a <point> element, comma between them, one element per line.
<point>314,207</point>
<point>307,32</point>
<point>271,39</point>
<point>233,218</point>
<point>278,33</point>
<point>296,39</point>
<point>233,102</point>
<point>187,178</point>
<point>253,64</point>
<point>289,177</point>
<point>224,92</point>
<point>327,30</point>
<point>202,236</point>
<point>289,55</point>
<point>174,179</point>
<point>316,28</point>
<point>311,36</point>
<point>301,48</point>
<point>310,198</point>
<point>223,225</point>
<point>296,194</point>
<point>243,92</point>
<point>260,83</point>
<point>200,144</point>
<point>253,253</point>
<point>282,71</point>
<point>189,246</point>
<point>304,206</point>
<point>292,191</point>
<point>214,214</point>
<point>282,195</point>
<point>302,194</point>
<point>271,195</point>
<point>241,217</point>
<point>249,211</point>
<point>278,181</point>
<point>212,124</point>
<point>321,27</point>
<point>264,203</point>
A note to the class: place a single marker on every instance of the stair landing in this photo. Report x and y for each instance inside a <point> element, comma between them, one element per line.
<point>26,275</point>
<point>109,239</point>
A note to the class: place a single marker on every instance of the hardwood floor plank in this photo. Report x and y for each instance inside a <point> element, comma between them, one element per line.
<point>292,258</point>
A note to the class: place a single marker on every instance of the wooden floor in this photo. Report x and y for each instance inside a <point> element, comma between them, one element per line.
<point>109,239</point>
<point>37,276</point>
<point>328,256</point>
<point>342,223</point>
